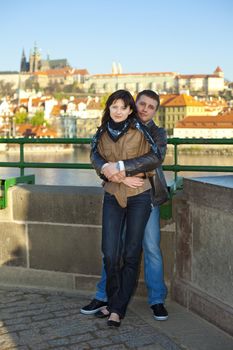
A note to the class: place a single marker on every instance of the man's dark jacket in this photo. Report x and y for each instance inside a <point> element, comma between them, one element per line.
<point>150,161</point>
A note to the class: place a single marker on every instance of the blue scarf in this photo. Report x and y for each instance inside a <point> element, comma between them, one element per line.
<point>116,130</point>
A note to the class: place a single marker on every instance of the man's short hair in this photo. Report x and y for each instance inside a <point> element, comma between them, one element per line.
<point>149,93</point>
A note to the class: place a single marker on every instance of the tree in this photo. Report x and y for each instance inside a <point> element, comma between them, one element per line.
<point>73,88</point>
<point>31,84</point>
<point>21,117</point>
<point>104,100</point>
<point>53,87</point>
<point>6,89</point>
<point>92,89</point>
<point>38,118</point>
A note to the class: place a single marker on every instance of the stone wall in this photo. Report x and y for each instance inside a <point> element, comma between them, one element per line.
<point>203,281</point>
<point>51,236</point>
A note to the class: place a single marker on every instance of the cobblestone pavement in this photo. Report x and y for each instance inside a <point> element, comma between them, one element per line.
<point>33,319</point>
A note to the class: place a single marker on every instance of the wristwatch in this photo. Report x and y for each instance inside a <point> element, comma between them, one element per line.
<point>118,166</point>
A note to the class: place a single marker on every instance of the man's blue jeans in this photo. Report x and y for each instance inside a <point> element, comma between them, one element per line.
<point>153,263</point>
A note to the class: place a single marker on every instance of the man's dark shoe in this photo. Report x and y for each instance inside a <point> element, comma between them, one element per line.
<point>94,306</point>
<point>160,313</point>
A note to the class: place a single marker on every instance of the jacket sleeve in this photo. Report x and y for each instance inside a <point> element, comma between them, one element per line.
<point>97,160</point>
<point>133,166</point>
<point>152,159</point>
<point>159,136</point>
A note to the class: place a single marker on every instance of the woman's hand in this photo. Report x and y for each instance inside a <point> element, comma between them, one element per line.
<point>133,181</point>
<point>111,170</point>
<point>119,177</point>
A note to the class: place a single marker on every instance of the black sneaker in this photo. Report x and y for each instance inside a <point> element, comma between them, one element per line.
<point>94,306</point>
<point>160,313</point>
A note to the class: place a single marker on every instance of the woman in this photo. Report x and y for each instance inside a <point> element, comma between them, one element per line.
<point>121,136</point>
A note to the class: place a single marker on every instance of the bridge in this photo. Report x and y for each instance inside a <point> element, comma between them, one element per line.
<point>50,238</point>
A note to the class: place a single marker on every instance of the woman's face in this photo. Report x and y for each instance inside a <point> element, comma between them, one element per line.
<point>118,111</point>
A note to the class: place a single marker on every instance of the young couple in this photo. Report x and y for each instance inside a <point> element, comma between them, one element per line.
<point>127,152</point>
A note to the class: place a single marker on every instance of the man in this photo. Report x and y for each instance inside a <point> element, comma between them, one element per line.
<point>147,103</point>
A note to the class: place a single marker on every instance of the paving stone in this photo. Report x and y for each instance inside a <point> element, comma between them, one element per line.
<point>116,347</point>
<point>99,342</point>
<point>81,346</point>
<point>81,338</point>
<point>14,319</point>
<point>151,347</point>
<point>47,320</point>
<point>59,342</point>
<point>40,346</point>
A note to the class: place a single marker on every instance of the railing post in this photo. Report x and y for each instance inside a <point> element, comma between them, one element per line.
<point>175,161</point>
<point>21,159</point>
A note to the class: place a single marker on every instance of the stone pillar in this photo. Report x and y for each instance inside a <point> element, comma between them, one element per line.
<point>203,280</point>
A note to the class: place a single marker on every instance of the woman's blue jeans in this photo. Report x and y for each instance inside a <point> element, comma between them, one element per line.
<point>122,268</point>
<point>153,263</point>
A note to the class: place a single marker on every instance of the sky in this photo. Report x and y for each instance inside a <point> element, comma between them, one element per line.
<point>143,35</point>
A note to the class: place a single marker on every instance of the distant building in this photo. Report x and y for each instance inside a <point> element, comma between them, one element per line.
<point>36,63</point>
<point>134,82</point>
<point>169,82</point>
<point>63,76</point>
<point>220,126</point>
<point>174,108</point>
<point>46,71</point>
<point>202,83</point>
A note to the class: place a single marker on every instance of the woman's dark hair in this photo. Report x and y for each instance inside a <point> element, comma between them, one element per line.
<point>119,95</point>
<point>149,93</point>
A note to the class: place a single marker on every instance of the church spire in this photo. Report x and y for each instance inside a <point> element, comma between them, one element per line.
<point>23,62</point>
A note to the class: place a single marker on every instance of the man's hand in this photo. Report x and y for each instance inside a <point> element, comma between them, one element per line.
<point>133,181</point>
<point>110,170</point>
<point>119,177</point>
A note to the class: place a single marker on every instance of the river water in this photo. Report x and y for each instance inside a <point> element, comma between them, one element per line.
<point>81,177</point>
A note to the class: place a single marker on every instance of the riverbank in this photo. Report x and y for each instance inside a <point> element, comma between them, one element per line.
<point>226,150</point>
<point>41,148</point>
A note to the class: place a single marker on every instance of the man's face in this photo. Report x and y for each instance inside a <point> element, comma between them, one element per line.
<point>146,107</point>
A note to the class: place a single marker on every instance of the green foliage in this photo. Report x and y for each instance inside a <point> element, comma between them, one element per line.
<point>226,94</point>
<point>59,96</point>
<point>6,89</point>
<point>92,89</point>
<point>104,100</point>
<point>31,84</point>
<point>38,118</point>
<point>73,88</point>
<point>21,117</point>
<point>53,88</point>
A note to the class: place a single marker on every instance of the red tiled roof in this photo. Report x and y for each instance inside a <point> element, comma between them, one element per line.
<point>195,76</point>
<point>182,101</point>
<point>81,71</point>
<point>166,98</point>
<point>128,74</point>
<point>62,72</point>
<point>218,69</point>
<point>38,131</point>
<point>208,122</point>
<point>23,101</point>
<point>94,105</point>
<point>56,110</point>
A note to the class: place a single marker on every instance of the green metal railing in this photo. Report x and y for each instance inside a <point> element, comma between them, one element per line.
<point>175,167</point>
<point>166,209</point>
<point>200,168</point>
<point>6,183</point>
